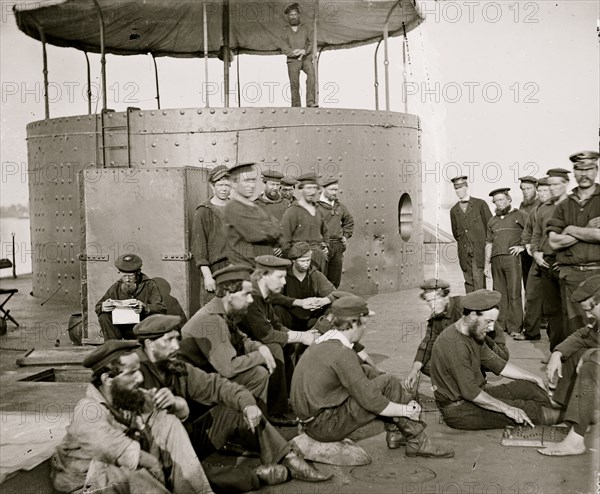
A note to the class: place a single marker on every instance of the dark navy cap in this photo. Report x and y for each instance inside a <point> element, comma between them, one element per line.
<point>559,172</point>
<point>234,272</point>
<point>433,284</point>
<point>217,173</point>
<point>528,179</point>
<point>588,288</point>
<point>298,250</point>
<point>481,300</point>
<point>350,306</point>
<point>271,262</point>
<point>155,326</point>
<point>108,352</point>
<point>128,263</point>
<point>501,190</point>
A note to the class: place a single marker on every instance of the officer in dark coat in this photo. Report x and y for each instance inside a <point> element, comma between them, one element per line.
<point>469,218</point>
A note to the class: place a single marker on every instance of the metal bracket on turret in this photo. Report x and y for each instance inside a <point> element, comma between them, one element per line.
<point>187,256</point>
<point>88,258</point>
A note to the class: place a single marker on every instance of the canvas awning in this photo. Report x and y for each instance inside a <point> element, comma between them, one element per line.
<point>175,27</point>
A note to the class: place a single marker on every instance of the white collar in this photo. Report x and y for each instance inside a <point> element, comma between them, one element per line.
<point>334,334</point>
<point>468,198</point>
<point>324,199</point>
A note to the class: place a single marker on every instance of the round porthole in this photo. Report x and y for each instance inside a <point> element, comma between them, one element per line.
<point>405,217</point>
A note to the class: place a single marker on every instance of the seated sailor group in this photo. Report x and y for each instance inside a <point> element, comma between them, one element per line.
<point>276,344</point>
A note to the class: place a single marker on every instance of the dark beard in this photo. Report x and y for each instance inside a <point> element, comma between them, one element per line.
<point>528,202</point>
<point>124,399</point>
<point>128,287</point>
<point>172,367</point>
<point>273,195</point>
<point>503,212</point>
<point>235,316</point>
<point>472,327</point>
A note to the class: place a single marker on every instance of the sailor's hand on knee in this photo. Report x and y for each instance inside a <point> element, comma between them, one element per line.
<point>163,398</point>
<point>411,379</point>
<point>554,366</point>
<point>413,410</point>
<point>268,358</point>
<point>252,416</point>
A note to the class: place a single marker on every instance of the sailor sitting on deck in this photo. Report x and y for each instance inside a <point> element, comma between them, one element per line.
<point>214,410</point>
<point>334,392</point>
<point>445,310</point>
<point>459,386</point>
<point>133,284</point>
<point>118,440</point>
<point>576,361</point>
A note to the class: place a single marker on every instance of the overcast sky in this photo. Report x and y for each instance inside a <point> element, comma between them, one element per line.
<point>513,89</point>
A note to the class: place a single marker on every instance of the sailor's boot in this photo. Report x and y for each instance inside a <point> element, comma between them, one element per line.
<point>417,442</point>
<point>393,436</point>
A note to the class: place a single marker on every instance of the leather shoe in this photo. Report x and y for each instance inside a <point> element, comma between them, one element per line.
<point>520,337</point>
<point>272,474</point>
<point>301,470</point>
<point>422,446</point>
<point>394,439</point>
<point>286,420</point>
<point>417,442</point>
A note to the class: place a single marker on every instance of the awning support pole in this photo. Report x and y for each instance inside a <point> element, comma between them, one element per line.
<point>89,82</point>
<point>156,79</point>
<point>226,53</point>
<point>376,83</point>
<point>205,29</point>
<point>102,55</point>
<point>315,60</point>
<point>45,71</point>
<point>237,61</point>
<point>386,62</point>
<point>44,67</point>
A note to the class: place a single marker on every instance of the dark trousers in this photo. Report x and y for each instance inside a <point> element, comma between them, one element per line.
<point>506,272</point>
<point>336,262</point>
<point>294,67</point>
<point>472,271</point>
<point>520,394</point>
<point>277,392</point>
<point>319,258</point>
<point>112,331</point>
<point>526,263</point>
<point>564,387</point>
<point>533,304</point>
<point>255,380</point>
<point>211,431</point>
<point>574,316</point>
<point>583,405</point>
<point>552,304</point>
<point>337,423</point>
